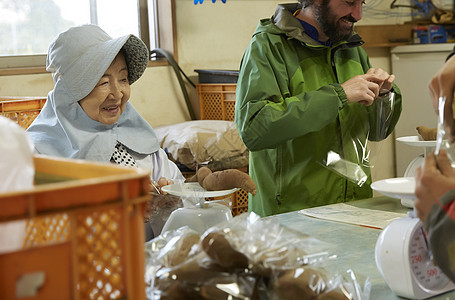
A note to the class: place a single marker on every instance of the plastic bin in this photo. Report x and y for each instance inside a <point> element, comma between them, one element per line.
<point>90,242</point>
<point>238,201</point>
<point>217,101</point>
<point>218,76</point>
<point>23,110</point>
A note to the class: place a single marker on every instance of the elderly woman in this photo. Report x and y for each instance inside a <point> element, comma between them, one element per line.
<point>87,115</point>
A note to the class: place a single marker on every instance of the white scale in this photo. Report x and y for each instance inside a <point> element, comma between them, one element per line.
<point>402,254</point>
<point>404,261</point>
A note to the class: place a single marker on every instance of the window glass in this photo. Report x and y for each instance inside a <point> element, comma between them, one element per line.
<point>27,27</point>
<point>118,17</point>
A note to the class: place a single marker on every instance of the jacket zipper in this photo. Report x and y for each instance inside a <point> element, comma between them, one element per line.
<point>332,62</point>
<point>280,175</point>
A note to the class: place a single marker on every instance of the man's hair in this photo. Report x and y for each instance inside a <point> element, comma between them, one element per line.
<point>305,3</point>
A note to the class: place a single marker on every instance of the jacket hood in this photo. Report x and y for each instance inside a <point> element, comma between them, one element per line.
<point>283,22</point>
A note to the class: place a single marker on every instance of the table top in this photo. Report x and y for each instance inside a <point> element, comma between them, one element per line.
<point>353,244</point>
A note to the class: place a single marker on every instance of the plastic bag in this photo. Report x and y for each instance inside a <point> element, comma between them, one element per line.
<point>243,258</point>
<point>16,162</point>
<point>196,211</point>
<point>444,139</point>
<point>17,172</point>
<point>381,117</point>
<point>158,210</point>
<point>351,157</point>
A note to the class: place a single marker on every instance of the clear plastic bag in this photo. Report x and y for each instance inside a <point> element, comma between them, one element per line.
<point>158,210</point>
<point>17,172</point>
<point>16,161</point>
<point>381,116</point>
<point>352,158</point>
<point>243,258</point>
<point>444,140</point>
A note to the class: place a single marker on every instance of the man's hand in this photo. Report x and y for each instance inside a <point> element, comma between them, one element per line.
<point>365,88</point>
<point>382,78</point>
<point>361,89</point>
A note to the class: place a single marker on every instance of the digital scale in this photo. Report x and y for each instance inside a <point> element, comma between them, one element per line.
<point>405,262</point>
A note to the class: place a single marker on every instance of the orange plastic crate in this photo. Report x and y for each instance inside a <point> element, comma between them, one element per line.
<point>22,110</point>
<point>217,101</point>
<point>238,201</point>
<point>90,239</point>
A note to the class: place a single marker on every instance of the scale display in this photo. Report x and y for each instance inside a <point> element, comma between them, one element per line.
<point>405,262</point>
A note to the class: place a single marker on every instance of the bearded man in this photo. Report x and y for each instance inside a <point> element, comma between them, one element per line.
<point>307,103</point>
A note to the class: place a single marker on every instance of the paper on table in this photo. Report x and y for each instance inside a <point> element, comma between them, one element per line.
<point>350,214</point>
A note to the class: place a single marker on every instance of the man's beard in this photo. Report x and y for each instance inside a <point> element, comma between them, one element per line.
<point>329,24</point>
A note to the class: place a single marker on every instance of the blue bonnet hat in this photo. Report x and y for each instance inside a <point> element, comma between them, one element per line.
<point>77,59</point>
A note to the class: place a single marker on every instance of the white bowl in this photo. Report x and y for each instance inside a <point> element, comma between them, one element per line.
<point>198,218</point>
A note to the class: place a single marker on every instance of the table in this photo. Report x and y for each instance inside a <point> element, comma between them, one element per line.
<point>353,244</point>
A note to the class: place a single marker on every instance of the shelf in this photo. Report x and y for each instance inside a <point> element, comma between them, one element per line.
<point>391,35</point>
<point>385,35</point>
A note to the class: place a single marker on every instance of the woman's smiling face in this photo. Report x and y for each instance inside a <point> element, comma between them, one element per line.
<point>107,101</point>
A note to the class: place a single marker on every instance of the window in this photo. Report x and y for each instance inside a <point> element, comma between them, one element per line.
<point>27,27</point>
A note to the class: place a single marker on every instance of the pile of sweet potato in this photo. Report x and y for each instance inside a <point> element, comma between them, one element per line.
<point>246,258</point>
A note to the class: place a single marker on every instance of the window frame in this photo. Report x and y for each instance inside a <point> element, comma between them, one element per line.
<point>166,36</point>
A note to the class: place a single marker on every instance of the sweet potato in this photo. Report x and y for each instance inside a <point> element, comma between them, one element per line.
<point>300,283</point>
<point>220,251</point>
<point>190,271</point>
<point>428,134</point>
<point>224,180</point>
<point>181,252</point>
<point>339,293</point>
<point>200,175</point>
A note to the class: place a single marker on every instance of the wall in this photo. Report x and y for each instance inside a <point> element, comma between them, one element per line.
<point>209,36</point>
<point>222,33</point>
<point>156,94</point>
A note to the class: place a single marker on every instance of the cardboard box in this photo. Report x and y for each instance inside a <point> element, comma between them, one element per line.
<point>429,34</point>
<point>420,34</point>
<point>450,33</point>
<point>437,34</point>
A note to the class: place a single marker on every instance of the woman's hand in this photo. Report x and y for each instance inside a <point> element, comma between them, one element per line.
<point>433,179</point>
<point>160,199</point>
<point>443,85</point>
<point>155,187</point>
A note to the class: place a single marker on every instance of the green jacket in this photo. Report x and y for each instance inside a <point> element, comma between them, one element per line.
<point>308,146</point>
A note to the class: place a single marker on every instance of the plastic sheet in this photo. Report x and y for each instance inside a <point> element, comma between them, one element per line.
<point>16,162</point>
<point>444,140</point>
<point>381,117</point>
<point>193,211</point>
<point>158,210</point>
<point>17,172</point>
<point>351,157</point>
<point>245,258</point>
